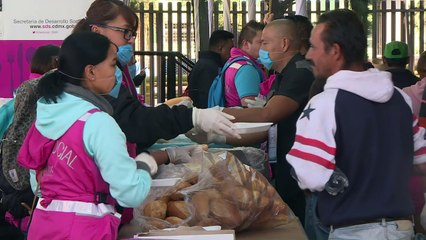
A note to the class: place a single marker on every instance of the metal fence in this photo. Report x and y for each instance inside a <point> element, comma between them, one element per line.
<point>170,28</point>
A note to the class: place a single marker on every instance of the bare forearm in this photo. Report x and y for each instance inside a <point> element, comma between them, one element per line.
<point>419,169</point>
<point>160,157</point>
<point>248,139</point>
<point>247,114</point>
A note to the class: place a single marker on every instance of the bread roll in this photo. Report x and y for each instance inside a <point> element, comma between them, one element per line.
<point>267,221</point>
<point>212,193</point>
<point>205,147</point>
<point>207,222</point>
<point>193,180</point>
<point>278,206</point>
<point>182,185</point>
<point>153,223</point>
<point>264,203</point>
<point>226,213</point>
<point>239,195</point>
<point>177,196</point>
<point>200,201</point>
<point>174,220</point>
<point>178,209</point>
<point>270,191</point>
<point>177,100</point>
<point>156,209</point>
<point>261,219</point>
<point>258,185</point>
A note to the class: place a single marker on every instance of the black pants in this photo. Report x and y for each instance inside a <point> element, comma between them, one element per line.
<point>289,190</point>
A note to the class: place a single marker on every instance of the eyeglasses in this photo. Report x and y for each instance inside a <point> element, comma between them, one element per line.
<point>128,33</point>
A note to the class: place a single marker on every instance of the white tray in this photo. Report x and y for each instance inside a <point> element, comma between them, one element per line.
<point>164,182</point>
<point>252,127</point>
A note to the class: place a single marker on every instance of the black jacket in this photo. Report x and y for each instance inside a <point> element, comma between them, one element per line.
<point>202,76</point>
<point>145,125</point>
<point>402,78</point>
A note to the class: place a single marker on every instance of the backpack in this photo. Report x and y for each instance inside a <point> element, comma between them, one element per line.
<point>217,89</point>
<point>15,175</point>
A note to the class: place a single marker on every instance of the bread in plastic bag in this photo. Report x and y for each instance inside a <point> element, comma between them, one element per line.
<point>217,190</point>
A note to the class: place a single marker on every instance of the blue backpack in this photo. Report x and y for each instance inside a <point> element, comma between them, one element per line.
<point>217,89</point>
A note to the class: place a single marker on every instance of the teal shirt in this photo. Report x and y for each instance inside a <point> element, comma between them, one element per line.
<point>247,88</point>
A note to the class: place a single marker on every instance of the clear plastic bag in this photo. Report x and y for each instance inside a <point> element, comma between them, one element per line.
<point>219,190</point>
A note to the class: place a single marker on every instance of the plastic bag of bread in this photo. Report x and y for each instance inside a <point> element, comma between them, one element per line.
<point>254,157</point>
<point>219,191</point>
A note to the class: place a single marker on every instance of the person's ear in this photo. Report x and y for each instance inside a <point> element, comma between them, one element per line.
<point>89,72</point>
<point>336,51</point>
<point>245,43</point>
<point>220,47</point>
<point>285,44</point>
<point>95,29</point>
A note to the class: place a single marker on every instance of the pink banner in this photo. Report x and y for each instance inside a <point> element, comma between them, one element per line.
<point>15,59</point>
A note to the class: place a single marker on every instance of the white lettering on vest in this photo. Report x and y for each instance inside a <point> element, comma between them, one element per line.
<point>61,151</point>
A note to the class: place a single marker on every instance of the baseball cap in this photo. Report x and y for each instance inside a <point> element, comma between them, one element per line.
<point>396,49</point>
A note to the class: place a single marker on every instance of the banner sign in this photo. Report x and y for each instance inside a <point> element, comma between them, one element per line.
<point>26,25</point>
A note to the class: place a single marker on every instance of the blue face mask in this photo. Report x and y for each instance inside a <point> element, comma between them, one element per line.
<point>118,79</point>
<point>125,54</point>
<point>265,59</point>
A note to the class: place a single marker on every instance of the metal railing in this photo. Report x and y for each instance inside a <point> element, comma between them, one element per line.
<point>166,78</point>
<point>167,30</point>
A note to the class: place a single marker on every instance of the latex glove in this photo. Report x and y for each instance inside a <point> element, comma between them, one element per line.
<point>184,154</point>
<point>204,137</point>
<point>256,103</point>
<point>214,121</point>
<point>337,182</point>
<point>146,162</point>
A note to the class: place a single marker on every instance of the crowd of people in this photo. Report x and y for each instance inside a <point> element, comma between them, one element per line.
<point>347,147</point>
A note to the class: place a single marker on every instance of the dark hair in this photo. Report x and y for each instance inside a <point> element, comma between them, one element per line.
<point>397,62</point>
<point>343,27</point>
<point>249,31</point>
<point>77,51</point>
<point>218,37</point>
<point>103,11</point>
<point>45,58</point>
<point>304,28</point>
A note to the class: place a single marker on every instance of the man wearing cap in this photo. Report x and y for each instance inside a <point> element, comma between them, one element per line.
<point>396,59</point>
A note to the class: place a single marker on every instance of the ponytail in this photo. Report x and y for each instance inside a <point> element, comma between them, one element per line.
<point>51,85</point>
<point>84,25</point>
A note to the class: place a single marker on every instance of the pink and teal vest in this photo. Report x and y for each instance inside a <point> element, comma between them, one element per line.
<point>73,190</point>
<point>232,98</point>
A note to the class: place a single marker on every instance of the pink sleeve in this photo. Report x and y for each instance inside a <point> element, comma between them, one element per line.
<point>415,92</point>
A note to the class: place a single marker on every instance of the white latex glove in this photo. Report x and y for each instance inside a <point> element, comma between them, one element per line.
<point>257,102</point>
<point>146,162</point>
<point>205,138</point>
<point>184,154</point>
<point>186,102</point>
<point>214,121</point>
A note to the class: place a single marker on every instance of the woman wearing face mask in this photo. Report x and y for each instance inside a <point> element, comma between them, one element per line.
<point>144,125</point>
<point>78,150</point>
